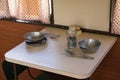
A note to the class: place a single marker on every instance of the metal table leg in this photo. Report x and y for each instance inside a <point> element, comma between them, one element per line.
<point>15,72</point>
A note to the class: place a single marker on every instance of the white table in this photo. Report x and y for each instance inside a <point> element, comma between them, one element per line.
<point>51,57</point>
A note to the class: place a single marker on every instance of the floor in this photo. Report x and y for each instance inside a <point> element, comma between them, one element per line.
<point>11,34</point>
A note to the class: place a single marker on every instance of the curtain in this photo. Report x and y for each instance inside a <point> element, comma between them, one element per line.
<point>27,10</point>
<point>4,9</point>
<point>116,18</point>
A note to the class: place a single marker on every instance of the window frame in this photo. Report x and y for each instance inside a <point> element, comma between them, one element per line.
<point>33,22</point>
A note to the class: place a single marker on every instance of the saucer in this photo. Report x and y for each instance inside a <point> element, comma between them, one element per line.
<point>36,43</point>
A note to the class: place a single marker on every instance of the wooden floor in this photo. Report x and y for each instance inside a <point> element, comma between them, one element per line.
<point>11,34</point>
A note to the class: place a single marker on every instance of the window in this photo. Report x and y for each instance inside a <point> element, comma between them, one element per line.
<point>26,10</point>
<point>41,12</point>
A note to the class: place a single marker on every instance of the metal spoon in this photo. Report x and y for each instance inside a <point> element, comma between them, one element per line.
<point>50,35</point>
<point>71,53</point>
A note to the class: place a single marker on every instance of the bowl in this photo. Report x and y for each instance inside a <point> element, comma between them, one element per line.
<point>89,45</point>
<point>34,36</point>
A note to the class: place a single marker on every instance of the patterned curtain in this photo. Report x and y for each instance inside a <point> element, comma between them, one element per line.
<point>27,10</point>
<point>4,9</point>
<point>116,18</point>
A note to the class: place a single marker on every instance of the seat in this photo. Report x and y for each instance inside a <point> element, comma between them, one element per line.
<point>8,70</point>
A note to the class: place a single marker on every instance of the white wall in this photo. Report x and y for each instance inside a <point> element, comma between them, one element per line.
<point>89,14</point>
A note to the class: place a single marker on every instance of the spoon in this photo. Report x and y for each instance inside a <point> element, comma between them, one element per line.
<point>71,53</point>
<point>51,35</point>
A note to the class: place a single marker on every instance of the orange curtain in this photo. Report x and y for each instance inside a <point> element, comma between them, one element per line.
<point>4,9</point>
<point>36,10</point>
<point>116,18</point>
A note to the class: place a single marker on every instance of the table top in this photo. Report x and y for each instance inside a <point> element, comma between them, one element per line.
<point>51,56</point>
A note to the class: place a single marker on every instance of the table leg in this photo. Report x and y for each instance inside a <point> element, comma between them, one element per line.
<point>15,72</point>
